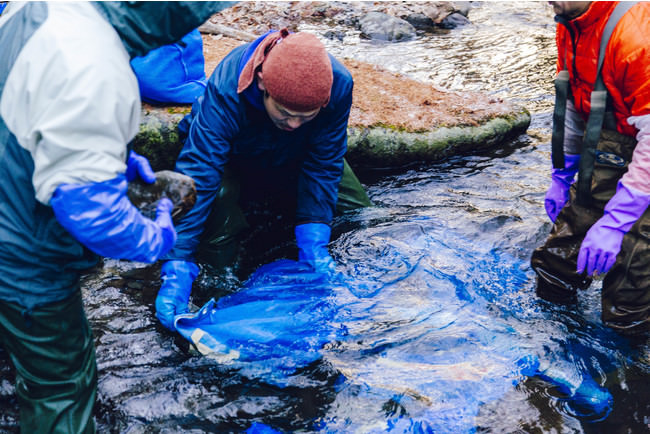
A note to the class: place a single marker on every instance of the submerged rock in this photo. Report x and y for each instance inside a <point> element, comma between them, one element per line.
<point>178,188</point>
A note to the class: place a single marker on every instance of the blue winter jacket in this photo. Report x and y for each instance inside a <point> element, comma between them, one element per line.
<point>230,128</point>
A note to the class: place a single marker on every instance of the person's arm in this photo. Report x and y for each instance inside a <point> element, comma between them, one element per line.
<point>203,157</point>
<point>214,122</point>
<point>557,194</point>
<point>319,181</point>
<point>626,72</point>
<point>72,102</point>
<point>638,171</point>
<point>602,242</point>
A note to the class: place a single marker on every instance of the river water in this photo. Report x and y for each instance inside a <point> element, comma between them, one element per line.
<point>440,309</point>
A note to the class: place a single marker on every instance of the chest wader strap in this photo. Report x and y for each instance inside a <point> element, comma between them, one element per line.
<point>559,114</point>
<point>562,94</point>
<point>597,112</point>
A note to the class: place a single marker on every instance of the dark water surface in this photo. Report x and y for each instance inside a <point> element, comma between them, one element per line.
<point>440,310</point>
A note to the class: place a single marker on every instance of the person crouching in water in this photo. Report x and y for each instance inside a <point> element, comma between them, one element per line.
<point>271,124</point>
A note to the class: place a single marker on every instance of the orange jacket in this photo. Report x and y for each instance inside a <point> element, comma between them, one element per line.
<point>626,68</point>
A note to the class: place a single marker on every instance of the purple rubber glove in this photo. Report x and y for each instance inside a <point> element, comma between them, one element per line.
<point>137,165</point>
<point>603,240</point>
<point>561,180</point>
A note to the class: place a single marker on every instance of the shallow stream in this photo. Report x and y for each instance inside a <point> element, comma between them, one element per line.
<point>440,310</point>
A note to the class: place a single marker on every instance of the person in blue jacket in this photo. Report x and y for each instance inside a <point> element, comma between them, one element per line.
<point>69,105</point>
<point>272,123</point>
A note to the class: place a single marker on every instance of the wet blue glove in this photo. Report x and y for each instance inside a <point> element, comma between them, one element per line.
<point>137,165</point>
<point>174,294</point>
<point>603,240</point>
<point>557,194</point>
<point>312,239</point>
<point>101,217</point>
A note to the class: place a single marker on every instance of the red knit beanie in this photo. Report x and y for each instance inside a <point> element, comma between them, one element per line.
<point>296,71</point>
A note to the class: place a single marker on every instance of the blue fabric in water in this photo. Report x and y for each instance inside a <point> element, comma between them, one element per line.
<point>173,73</point>
<point>282,316</point>
<point>285,314</point>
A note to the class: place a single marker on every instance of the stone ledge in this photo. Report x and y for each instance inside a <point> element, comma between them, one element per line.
<point>373,147</point>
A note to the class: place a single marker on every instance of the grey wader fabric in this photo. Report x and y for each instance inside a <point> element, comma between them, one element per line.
<point>220,242</point>
<point>604,160</point>
<point>52,349</point>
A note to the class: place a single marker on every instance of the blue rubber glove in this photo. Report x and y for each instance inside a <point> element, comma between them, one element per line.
<point>603,240</point>
<point>312,239</point>
<point>137,165</point>
<point>101,217</point>
<point>557,194</point>
<point>174,294</point>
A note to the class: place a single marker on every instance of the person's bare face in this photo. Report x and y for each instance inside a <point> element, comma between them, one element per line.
<point>569,10</point>
<point>282,117</point>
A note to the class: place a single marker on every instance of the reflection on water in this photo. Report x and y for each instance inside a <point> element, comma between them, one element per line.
<point>441,290</point>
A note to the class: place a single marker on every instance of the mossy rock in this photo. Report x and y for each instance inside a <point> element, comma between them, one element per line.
<point>158,138</point>
<point>373,146</point>
<point>381,146</point>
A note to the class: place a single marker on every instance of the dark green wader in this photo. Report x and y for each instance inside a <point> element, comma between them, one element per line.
<point>51,348</point>
<point>626,287</point>
<point>220,243</point>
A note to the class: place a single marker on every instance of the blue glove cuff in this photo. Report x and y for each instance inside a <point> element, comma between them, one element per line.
<point>181,270</point>
<point>312,239</point>
<point>101,217</point>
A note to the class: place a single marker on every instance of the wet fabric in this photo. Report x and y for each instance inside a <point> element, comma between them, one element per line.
<point>173,73</point>
<point>625,298</point>
<point>281,317</point>
<point>52,349</point>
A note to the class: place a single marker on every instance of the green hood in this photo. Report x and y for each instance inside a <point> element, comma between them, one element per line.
<point>144,26</point>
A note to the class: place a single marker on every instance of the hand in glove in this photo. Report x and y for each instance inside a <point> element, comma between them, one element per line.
<point>101,217</point>
<point>312,239</point>
<point>137,165</point>
<point>603,240</point>
<point>557,194</point>
<point>174,294</point>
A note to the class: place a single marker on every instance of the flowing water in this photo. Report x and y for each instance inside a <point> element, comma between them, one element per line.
<point>439,311</point>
